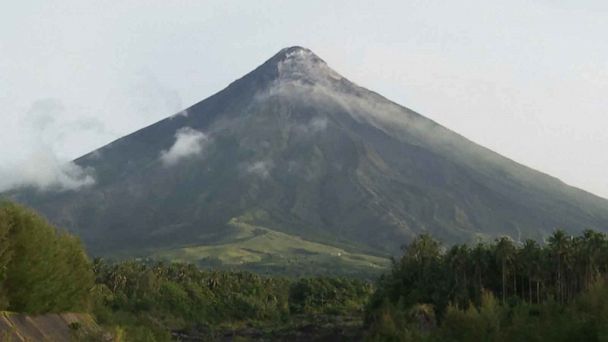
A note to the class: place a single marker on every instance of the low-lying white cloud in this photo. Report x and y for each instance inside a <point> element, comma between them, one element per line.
<point>32,142</point>
<point>44,171</point>
<point>363,106</point>
<point>260,168</point>
<point>188,143</point>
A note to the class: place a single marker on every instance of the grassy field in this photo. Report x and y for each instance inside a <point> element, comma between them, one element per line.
<point>263,250</point>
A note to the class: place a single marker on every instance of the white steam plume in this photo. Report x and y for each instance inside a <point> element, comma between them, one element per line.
<point>188,142</point>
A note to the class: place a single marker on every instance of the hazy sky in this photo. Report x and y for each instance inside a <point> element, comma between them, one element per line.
<point>528,79</point>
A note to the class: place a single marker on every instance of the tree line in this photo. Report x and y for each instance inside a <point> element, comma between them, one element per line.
<point>497,291</point>
<point>561,268</point>
<point>501,277</point>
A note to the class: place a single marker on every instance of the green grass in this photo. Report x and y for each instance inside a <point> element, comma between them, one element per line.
<point>261,249</point>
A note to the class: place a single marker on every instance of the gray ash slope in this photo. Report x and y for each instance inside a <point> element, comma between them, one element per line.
<point>295,147</point>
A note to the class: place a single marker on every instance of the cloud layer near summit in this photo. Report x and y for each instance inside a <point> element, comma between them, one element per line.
<point>526,79</point>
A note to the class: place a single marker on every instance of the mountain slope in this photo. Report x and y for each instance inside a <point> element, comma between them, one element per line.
<point>296,148</point>
<point>259,249</point>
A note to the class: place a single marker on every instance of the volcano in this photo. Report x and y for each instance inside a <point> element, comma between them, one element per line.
<point>295,162</point>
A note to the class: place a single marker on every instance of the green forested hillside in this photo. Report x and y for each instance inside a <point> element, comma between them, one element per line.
<point>265,251</point>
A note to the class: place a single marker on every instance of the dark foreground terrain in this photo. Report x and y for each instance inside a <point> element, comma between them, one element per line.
<point>304,328</point>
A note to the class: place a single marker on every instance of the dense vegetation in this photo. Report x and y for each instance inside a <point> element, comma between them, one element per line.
<point>151,299</point>
<point>499,291</point>
<point>45,270</point>
<point>41,269</point>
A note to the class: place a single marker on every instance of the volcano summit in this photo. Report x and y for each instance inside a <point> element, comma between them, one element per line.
<point>294,162</point>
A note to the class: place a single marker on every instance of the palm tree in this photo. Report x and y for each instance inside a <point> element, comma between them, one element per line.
<point>505,252</point>
<point>530,257</point>
<point>458,260</point>
<point>480,260</point>
<point>560,245</point>
<point>592,244</point>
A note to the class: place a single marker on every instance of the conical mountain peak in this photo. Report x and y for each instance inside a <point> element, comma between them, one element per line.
<point>299,54</point>
<point>299,63</point>
<point>294,150</point>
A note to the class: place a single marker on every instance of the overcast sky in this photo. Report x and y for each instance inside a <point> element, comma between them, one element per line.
<point>528,79</point>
